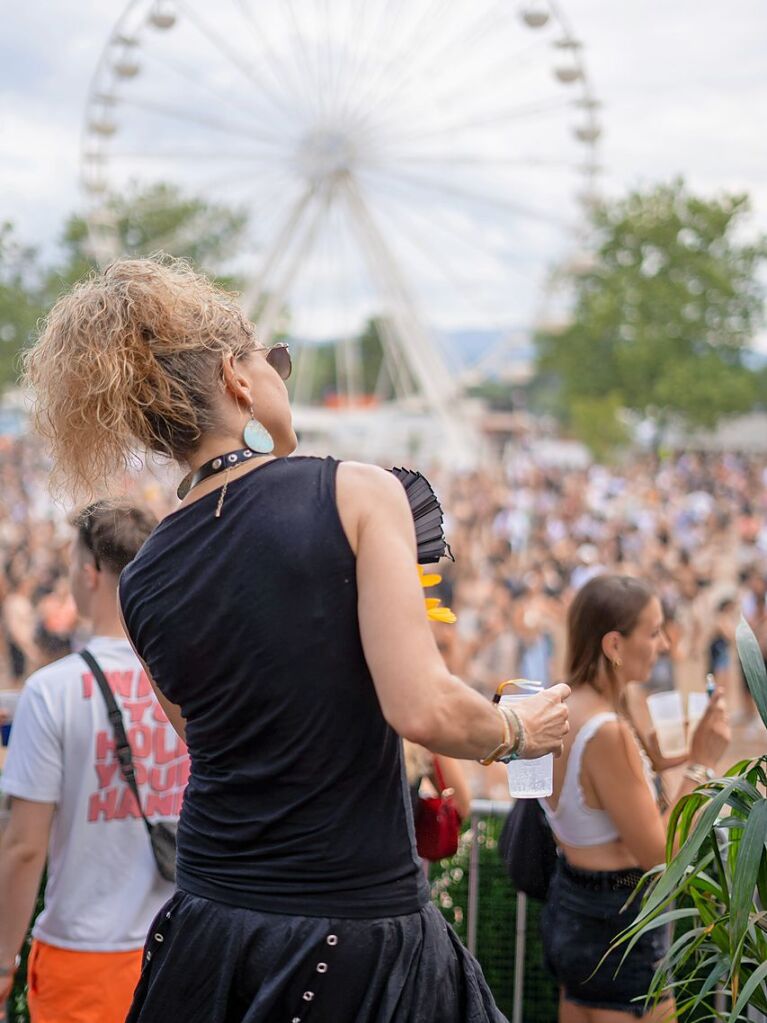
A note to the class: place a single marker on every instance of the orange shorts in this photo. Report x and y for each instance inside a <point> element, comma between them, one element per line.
<point>66,986</point>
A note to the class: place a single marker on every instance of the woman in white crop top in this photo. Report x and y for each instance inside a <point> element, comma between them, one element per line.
<point>603,810</point>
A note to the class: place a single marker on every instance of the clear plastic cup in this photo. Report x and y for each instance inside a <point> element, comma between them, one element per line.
<point>669,724</point>
<point>696,708</point>
<point>529,779</point>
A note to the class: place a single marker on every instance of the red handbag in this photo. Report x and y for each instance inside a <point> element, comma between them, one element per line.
<point>437,823</point>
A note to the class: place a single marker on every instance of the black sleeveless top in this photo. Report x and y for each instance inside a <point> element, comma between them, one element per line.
<point>297,801</point>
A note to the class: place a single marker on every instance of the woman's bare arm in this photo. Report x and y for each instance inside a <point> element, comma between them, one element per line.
<point>419,697</point>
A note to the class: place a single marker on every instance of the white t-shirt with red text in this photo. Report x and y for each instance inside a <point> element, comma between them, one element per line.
<point>103,885</point>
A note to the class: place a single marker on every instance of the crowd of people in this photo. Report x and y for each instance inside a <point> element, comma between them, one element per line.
<point>263,645</point>
<point>693,526</point>
<point>525,539</point>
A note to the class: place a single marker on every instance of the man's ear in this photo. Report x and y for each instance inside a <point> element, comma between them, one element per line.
<point>91,575</point>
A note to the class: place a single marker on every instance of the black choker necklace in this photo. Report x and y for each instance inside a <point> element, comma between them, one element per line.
<point>215,465</point>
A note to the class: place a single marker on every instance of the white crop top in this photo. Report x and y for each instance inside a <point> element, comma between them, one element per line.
<point>573,822</point>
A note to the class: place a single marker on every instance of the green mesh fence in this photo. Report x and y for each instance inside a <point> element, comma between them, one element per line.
<point>495,923</point>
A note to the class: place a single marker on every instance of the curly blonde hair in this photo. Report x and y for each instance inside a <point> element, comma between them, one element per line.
<point>129,360</point>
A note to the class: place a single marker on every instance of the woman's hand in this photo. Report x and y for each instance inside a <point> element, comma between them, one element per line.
<point>544,718</point>
<point>712,736</point>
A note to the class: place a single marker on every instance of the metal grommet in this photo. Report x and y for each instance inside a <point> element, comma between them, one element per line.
<point>159,937</point>
<point>247,453</point>
<point>308,995</point>
<point>322,967</point>
<point>231,458</point>
<point>332,939</point>
<point>148,956</point>
<point>216,463</point>
<point>168,915</point>
<point>296,1019</point>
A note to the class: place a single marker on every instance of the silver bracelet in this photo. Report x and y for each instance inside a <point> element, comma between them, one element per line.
<point>699,773</point>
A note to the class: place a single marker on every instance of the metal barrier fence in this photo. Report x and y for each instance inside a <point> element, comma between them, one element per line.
<point>498,925</point>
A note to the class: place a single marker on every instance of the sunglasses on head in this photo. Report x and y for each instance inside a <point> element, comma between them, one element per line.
<point>278,357</point>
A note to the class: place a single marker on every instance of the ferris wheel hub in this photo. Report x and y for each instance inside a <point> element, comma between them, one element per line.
<point>326,154</point>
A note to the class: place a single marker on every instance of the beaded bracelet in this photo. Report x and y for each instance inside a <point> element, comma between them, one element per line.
<point>518,748</point>
<point>505,747</point>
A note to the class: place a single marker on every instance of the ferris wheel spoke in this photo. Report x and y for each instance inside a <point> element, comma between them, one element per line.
<point>459,240</point>
<point>233,99</point>
<point>519,113</point>
<point>312,66</point>
<point>451,192</point>
<point>235,57</point>
<point>391,35</point>
<point>370,41</point>
<point>191,154</point>
<point>285,237</point>
<point>506,68</point>
<point>354,30</point>
<point>437,55</point>
<point>214,123</point>
<point>277,296</point>
<point>359,98</point>
<point>462,42</point>
<point>423,361</point>
<point>491,160</point>
<point>297,85</point>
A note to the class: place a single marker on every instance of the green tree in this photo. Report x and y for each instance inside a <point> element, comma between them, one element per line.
<point>21,300</point>
<point>664,315</point>
<point>160,218</point>
<point>327,363</point>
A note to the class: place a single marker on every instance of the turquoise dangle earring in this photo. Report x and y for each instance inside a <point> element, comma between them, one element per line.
<point>257,437</point>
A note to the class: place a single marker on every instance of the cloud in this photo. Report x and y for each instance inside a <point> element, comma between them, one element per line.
<point>683,87</point>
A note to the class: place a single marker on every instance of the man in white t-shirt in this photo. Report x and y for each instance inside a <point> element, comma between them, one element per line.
<point>71,804</point>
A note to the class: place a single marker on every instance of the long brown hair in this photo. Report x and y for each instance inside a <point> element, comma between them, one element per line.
<point>607,603</point>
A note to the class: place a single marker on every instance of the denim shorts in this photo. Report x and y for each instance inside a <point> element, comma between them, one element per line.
<point>584,913</point>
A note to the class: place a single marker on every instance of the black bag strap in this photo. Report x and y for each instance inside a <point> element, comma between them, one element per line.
<point>124,755</point>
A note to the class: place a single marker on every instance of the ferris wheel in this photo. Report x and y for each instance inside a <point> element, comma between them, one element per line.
<point>420,163</point>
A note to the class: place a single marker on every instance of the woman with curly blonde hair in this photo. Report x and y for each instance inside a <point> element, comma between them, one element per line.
<point>280,617</point>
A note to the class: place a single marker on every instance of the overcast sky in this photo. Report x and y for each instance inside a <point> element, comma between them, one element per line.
<point>683,82</point>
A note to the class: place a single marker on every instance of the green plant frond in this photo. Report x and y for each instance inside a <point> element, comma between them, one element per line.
<point>681,820</point>
<point>703,883</point>
<point>675,952</point>
<point>631,935</point>
<point>645,881</point>
<point>753,665</point>
<point>719,970</point>
<point>731,823</point>
<point>749,856</point>
<point>749,988</point>
<point>742,767</point>
<point>756,774</point>
<point>688,853</point>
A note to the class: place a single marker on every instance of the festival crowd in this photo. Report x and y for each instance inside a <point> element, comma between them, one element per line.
<point>525,539</point>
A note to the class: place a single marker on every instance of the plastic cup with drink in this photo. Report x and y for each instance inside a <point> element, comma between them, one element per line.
<point>528,779</point>
<point>696,708</point>
<point>668,721</point>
